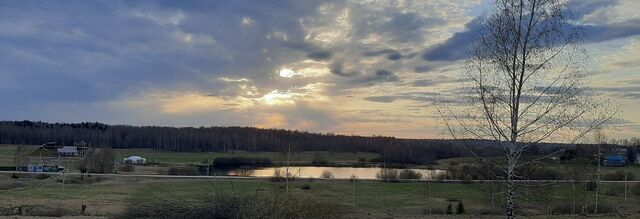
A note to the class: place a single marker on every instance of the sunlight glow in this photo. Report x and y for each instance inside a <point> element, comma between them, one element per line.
<point>286,73</point>
<point>276,97</point>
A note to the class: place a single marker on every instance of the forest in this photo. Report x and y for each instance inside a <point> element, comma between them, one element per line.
<point>192,139</point>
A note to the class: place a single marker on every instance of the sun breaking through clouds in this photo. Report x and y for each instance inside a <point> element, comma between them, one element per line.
<point>350,67</point>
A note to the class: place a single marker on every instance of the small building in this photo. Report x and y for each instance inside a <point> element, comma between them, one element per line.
<point>34,168</point>
<point>67,151</point>
<point>614,160</point>
<point>135,160</point>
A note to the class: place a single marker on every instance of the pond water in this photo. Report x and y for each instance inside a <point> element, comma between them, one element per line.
<point>316,172</point>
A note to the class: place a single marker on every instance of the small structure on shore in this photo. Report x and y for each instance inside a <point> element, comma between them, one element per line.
<point>68,151</point>
<point>614,160</point>
<point>135,160</point>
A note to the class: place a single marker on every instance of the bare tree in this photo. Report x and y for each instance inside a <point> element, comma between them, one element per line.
<point>526,84</point>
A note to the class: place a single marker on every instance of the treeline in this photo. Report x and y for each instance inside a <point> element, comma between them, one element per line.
<point>190,139</point>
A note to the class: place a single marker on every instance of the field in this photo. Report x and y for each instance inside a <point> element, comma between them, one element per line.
<point>109,196</point>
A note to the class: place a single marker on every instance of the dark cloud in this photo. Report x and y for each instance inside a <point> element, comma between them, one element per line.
<point>422,69</point>
<point>421,97</point>
<point>320,55</point>
<point>379,76</point>
<point>337,68</point>
<point>390,54</point>
<point>454,48</point>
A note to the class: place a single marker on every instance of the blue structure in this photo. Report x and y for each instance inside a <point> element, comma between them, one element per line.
<point>614,160</point>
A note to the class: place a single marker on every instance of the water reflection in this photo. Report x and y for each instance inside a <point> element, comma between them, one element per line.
<point>322,172</point>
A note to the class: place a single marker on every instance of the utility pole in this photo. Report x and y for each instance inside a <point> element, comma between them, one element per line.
<point>65,170</point>
<point>353,191</point>
<point>286,174</point>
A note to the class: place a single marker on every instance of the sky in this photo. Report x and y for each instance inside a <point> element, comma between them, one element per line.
<point>349,67</point>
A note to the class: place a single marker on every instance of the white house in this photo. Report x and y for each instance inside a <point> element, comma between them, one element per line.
<point>68,151</point>
<point>135,160</point>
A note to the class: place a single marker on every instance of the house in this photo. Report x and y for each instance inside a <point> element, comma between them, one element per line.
<point>614,160</point>
<point>67,151</point>
<point>135,160</point>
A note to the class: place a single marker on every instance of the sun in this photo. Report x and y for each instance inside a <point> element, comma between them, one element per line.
<point>286,73</point>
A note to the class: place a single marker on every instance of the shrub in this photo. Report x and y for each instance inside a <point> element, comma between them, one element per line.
<point>460,208</point>
<point>388,175</point>
<point>454,163</point>
<point>306,187</point>
<point>127,168</point>
<point>591,186</point>
<point>362,160</point>
<point>327,174</point>
<point>449,209</point>
<point>245,171</point>
<point>617,176</point>
<point>410,174</point>
<point>183,171</point>
<point>280,176</point>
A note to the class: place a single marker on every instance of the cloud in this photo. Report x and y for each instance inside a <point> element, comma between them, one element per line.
<point>455,48</point>
<point>320,55</point>
<point>380,75</point>
<point>337,68</point>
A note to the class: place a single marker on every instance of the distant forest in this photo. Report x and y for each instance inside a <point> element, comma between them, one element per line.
<point>190,139</point>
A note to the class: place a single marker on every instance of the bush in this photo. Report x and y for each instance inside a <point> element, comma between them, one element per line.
<point>280,176</point>
<point>410,174</point>
<point>183,171</point>
<point>245,171</point>
<point>388,175</point>
<point>327,174</point>
<point>306,187</point>
<point>454,163</point>
<point>617,176</point>
<point>127,168</point>
<point>449,209</point>
<point>460,208</point>
<point>591,186</point>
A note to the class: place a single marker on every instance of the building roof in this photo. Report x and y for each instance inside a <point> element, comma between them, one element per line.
<point>68,149</point>
<point>615,158</point>
<point>135,158</point>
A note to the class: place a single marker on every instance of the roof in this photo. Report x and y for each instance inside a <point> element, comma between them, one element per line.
<point>615,158</point>
<point>68,149</point>
<point>135,158</point>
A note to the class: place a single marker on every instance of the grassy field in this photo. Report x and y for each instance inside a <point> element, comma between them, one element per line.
<point>109,196</point>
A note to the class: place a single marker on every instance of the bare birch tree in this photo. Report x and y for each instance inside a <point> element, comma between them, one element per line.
<point>526,84</point>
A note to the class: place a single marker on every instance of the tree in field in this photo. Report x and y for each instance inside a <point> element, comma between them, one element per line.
<point>526,84</point>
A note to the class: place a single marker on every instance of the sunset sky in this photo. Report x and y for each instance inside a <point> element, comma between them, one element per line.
<point>349,67</point>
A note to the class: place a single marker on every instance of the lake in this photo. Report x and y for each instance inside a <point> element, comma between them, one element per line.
<point>316,172</point>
